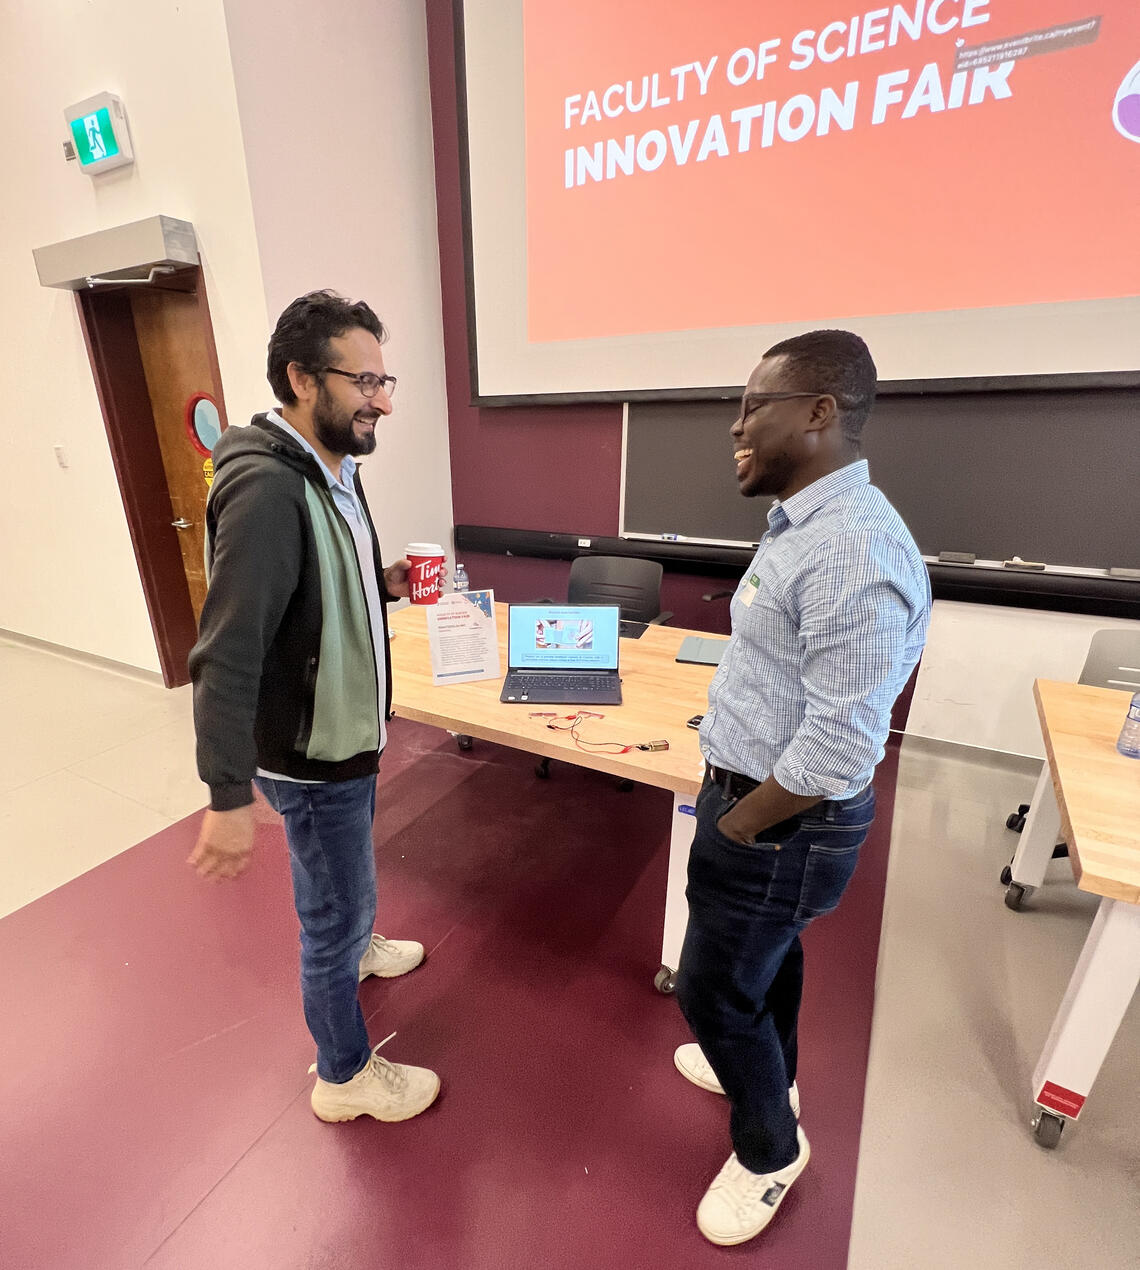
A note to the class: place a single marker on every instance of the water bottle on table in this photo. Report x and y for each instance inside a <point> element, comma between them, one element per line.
<point>1128,743</point>
<point>460,582</point>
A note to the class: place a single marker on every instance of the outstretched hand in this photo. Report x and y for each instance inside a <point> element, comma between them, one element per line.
<point>225,844</point>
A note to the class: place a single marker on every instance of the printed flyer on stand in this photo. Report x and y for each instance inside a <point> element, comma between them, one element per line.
<point>463,637</point>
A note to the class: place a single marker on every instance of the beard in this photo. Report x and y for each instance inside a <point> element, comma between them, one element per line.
<point>777,474</point>
<point>334,427</point>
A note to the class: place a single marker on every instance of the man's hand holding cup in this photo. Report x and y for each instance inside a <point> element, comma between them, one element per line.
<point>420,576</point>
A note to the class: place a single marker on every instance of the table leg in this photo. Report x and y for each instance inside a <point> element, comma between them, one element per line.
<point>1038,838</point>
<point>676,907</point>
<point>1098,994</point>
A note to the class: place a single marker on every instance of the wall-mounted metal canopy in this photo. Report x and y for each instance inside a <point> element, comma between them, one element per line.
<point>134,252</point>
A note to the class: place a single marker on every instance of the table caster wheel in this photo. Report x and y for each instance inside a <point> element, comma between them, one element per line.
<point>464,742</point>
<point>1014,894</point>
<point>1047,1129</point>
<point>665,981</point>
<point>1006,876</point>
<point>1015,821</point>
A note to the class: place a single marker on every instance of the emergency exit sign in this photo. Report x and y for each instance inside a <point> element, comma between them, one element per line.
<point>99,133</point>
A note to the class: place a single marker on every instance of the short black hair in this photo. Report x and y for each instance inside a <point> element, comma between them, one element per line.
<point>838,363</point>
<point>303,332</point>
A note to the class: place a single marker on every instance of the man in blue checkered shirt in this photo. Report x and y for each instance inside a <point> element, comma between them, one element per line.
<point>827,625</point>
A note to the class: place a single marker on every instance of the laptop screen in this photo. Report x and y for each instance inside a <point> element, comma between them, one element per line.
<point>563,637</point>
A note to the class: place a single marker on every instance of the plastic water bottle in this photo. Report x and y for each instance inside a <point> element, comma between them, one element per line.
<point>1128,743</point>
<point>459,580</point>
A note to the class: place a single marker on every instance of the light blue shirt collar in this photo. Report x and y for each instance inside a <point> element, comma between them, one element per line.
<point>811,498</point>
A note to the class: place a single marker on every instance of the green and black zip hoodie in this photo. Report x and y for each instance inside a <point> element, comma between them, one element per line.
<point>284,670</point>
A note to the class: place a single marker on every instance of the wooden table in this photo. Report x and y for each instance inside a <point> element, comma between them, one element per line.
<point>1089,795</point>
<point>658,695</point>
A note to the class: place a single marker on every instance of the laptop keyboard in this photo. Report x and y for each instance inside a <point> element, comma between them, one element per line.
<point>570,683</point>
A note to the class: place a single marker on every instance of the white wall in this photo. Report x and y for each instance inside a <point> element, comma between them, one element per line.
<point>336,116</point>
<point>336,126</point>
<point>67,570</point>
<point>975,686</point>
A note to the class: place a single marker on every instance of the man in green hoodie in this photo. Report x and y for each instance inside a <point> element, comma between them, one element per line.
<point>292,678</point>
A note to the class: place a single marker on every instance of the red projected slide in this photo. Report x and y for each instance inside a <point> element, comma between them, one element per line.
<point>724,163</point>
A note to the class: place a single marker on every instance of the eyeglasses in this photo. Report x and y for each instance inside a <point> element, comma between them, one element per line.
<point>368,383</point>
<point>754,400</point>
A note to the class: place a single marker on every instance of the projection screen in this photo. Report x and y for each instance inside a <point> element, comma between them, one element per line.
<point>658,192</point>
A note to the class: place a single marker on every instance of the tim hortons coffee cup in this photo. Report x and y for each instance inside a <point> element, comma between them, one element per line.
<point>423,577</point>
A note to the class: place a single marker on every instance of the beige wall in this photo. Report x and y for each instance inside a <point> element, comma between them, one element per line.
<point>975,686</point>
<point>337,121</point>
<point>67,570</point>
<point>298,142</point>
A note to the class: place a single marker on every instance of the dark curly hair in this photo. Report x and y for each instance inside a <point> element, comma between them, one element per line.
<point>303,332</point>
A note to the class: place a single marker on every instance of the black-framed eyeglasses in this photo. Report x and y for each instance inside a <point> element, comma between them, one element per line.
<point>368,383</point>
<point>754,400</point>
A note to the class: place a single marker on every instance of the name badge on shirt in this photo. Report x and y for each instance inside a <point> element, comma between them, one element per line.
<point>748,591</point>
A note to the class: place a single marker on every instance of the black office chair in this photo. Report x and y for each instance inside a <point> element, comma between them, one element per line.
<point>1110,663</point>
<point>633,585</point>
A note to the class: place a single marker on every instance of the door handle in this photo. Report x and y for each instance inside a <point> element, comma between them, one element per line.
<point>182,523</point>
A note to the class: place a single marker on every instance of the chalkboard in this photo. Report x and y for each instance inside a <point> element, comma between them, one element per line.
<point>1051,475</point>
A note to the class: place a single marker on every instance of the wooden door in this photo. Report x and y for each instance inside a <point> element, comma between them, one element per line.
<point>152,352</point>
<point>176,364</point>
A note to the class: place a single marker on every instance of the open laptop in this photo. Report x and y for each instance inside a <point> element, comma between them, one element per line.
<point>560,654</point>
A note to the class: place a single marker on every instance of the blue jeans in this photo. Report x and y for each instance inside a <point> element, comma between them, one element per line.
<point>329,831</point>
<point>741,973</point>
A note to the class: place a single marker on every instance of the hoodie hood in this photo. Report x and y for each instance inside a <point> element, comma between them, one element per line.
<point>264,439</point>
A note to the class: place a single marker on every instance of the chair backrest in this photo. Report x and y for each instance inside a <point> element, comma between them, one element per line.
<point>634,585</point>
<point>1113,660</point>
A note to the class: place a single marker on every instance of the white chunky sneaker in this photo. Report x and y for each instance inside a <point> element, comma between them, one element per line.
<point>739,1203</point>
<point>389,958</point>
<point>690,1061</point>
<point>383,1090</point>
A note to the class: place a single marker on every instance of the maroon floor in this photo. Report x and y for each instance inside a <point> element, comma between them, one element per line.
<point>155,1093</point>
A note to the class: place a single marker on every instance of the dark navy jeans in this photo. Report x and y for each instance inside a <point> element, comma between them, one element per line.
<point>329,831</point>
<point>741,973</point>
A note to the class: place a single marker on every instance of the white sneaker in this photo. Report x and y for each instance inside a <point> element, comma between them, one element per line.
<point>383,1090</point>
<point>739,1203</point>
<point>389,958</point>
<point>690,1061</point>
